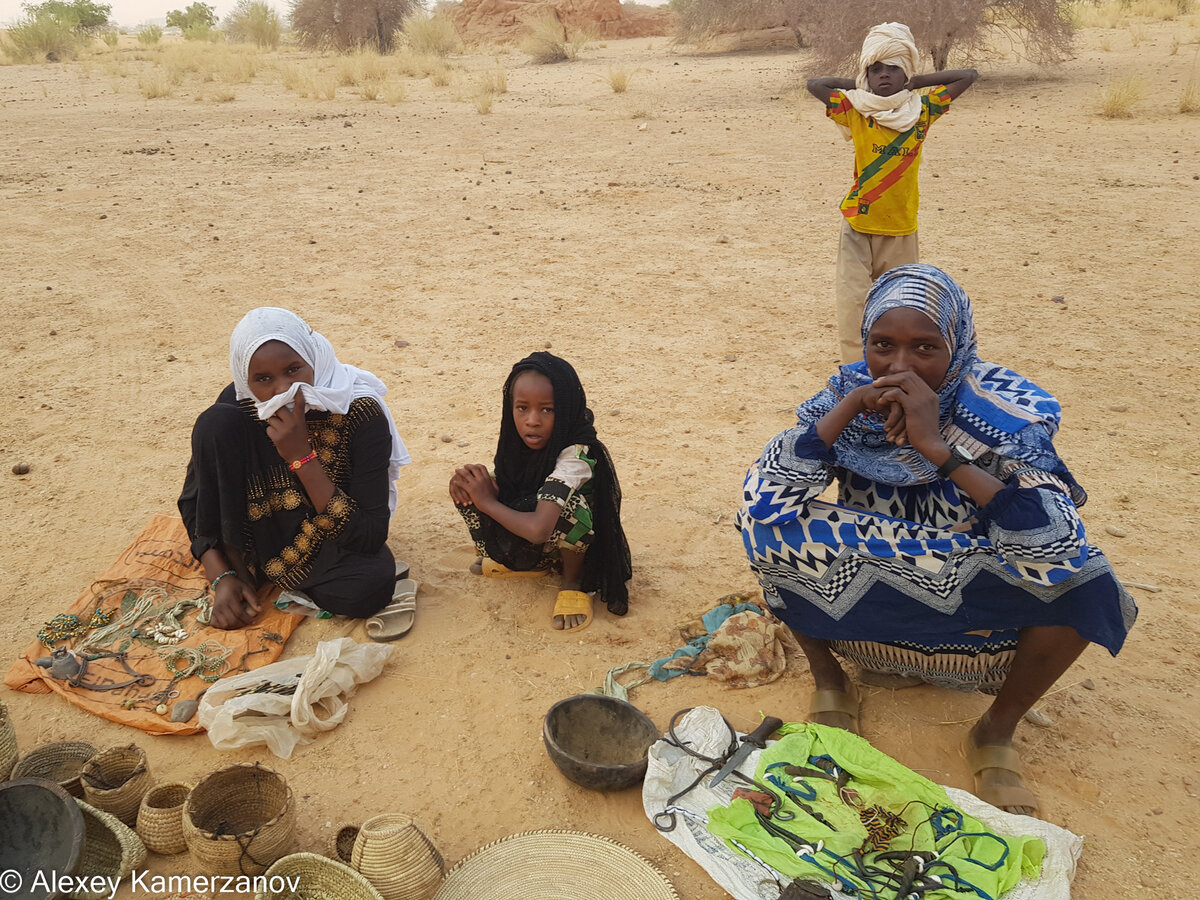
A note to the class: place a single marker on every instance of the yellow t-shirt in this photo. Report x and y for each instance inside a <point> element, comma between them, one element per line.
<point>884,197</point>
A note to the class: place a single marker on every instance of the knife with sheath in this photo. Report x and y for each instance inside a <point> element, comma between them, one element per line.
<point>755,740</point>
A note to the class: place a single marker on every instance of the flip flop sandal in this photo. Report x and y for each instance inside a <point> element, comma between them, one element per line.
<point>846,702</point>
<point>401,570</point>
<point>489,568</point>
<point>573,603</point>
<point>998,756</point>
<point>396,619</point>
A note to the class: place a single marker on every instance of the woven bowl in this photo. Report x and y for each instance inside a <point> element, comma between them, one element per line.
<point>41,830</point>
<point>341,843</point>
<point>317,878</point>
<point>240,819</point>
<point>61,761</point>
<point>160,818</point>
<point>8,744</point>
<point>111,848</point>
<point>398,858</point>
<point>116,779</point>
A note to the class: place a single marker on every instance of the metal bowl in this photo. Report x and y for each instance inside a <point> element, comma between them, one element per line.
<point>41,830</point>
<point>599,742</point>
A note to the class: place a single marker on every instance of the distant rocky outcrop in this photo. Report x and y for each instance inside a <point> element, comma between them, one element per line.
<point>503,21</point>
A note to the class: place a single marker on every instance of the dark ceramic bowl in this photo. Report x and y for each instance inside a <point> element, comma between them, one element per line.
<point>599,742</point>
<point>41,830</point>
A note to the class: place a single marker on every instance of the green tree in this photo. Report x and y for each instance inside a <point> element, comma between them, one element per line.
<point>254,22</point>
<point>85,15</point>
<point>198,14</point>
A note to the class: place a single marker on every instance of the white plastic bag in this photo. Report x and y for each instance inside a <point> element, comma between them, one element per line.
<point>279,716</point>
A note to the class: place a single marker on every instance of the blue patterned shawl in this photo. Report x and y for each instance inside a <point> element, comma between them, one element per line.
<point>985,406</point>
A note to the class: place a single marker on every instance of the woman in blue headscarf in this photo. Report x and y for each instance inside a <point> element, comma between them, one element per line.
<point>955,553</point>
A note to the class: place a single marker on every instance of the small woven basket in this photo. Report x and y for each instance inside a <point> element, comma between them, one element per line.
<point>240,819</point>
<point>110,848</point>
<point>61,761</point>
<point>398,858</point>
<point>160,818</point>
<point>341,844</point>
<point>8,744</point>
<point>318,878</point>
<point>116,779</point>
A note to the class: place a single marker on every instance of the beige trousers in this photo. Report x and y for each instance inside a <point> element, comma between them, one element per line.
<point>861,259</point>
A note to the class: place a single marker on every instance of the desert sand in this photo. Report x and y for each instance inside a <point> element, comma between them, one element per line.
<point>676,243</point>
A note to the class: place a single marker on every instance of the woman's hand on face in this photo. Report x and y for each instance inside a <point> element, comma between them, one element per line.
<point>235,605</point>
<point>916,422</point>
<point>288,431</point>
<point>873,398</point>
<point>478,483</point>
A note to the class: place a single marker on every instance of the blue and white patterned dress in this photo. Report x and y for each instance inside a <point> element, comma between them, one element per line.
<point>906,573</point>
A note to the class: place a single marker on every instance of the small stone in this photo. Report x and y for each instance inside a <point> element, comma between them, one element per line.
<point>1088,684</point>
<point>1119,407</point>
<point>184,710</point>
<point>730,357</point>
<point>1157,811</point>
<point>547,345</point>
<point>464,443</point>
<point>1115,532</point>
<point>53,332</point>
<point>400,343</point>
<point>614,412</point>
<point>103,215</point>
<point>1116,737</point>
<point>170,357</point>
<point>722,240</point>
<point>1038,718</point>
<point>1058,299</point>
<point>446,438</point>
<point>21,469</point>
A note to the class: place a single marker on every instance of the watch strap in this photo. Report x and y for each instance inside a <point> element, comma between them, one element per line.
<point>958,457</point>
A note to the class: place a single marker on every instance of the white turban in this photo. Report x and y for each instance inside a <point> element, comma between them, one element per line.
<point>891,44</point>
<point>334,384</point>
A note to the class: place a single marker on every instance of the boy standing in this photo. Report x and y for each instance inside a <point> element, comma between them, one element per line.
<point>887,120</point>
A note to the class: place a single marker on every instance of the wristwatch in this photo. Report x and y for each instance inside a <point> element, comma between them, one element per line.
<point>958,457</point>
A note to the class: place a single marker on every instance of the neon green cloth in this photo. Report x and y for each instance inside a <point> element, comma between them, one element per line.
<point>983,860</point>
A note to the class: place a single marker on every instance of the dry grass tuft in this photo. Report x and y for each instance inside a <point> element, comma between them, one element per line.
<point>618,79</point>
<point>1119,97</point>
<point>223,94</point>
<point>1189,100</point>
<point>430,35</point>
<point>156,84</point>
<point>393,93</point>
<point>483,102</point>
<point>548,41</point>
<point>150,35</point>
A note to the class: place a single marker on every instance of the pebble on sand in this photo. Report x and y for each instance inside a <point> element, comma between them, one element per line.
<point>21,469</point>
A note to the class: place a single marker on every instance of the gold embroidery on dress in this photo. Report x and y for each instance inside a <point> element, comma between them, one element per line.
<point>281,489</point>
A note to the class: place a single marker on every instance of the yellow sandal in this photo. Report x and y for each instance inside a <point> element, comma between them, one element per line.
<point>574,603</point>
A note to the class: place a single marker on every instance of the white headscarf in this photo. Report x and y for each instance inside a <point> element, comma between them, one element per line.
<point>334,384</point>
<point>891,44</point>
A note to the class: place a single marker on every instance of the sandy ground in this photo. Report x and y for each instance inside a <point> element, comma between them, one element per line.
<point>683,262</point>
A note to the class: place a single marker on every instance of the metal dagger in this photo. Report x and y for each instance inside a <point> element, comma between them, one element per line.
<point>755,739</point>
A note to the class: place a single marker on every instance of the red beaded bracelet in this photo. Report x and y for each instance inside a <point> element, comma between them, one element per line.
<point>295,464</point>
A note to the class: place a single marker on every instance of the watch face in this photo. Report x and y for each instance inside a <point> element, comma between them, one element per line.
<point>962,454</point>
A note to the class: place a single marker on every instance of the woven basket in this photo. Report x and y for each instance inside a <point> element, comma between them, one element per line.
<point>341,844</point>
<point>551,865</point>
<point>238,820</point>
<point>160,818</point>
<point>8,744</point>
<point>61,761</point>
<point>116,779</point>
<point>395,855</point>
<point>110,848</point>
<point>319,878</point>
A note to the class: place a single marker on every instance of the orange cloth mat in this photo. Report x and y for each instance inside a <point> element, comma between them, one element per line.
<point>158,558</point>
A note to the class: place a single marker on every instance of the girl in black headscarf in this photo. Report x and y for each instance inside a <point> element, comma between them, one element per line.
<point>554,501</point>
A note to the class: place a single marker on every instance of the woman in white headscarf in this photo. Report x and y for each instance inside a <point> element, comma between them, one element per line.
<point>292,476</point>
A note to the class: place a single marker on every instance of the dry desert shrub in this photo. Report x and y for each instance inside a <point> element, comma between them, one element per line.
<point>156,84</point>
<point>254,22</point>
<point>370,90</point>
<point>42,38</point>
<point>149,35</point>
<point>433,35</point>
<point>1119,97</point>
<point>1189,100</point>
<point>223,95</point>
<point>346,24</point>
<point>1106,44</point>
<point>1137,34</point>
<point>548,40</point>
<point>618,79</point>
<point>110,39</point>
<point>393,93</point>
<point>493,81</point>
<point>483,102</point>
<point>324,86</point>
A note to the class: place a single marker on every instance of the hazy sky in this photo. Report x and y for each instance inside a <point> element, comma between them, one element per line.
<point>135,12</point>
